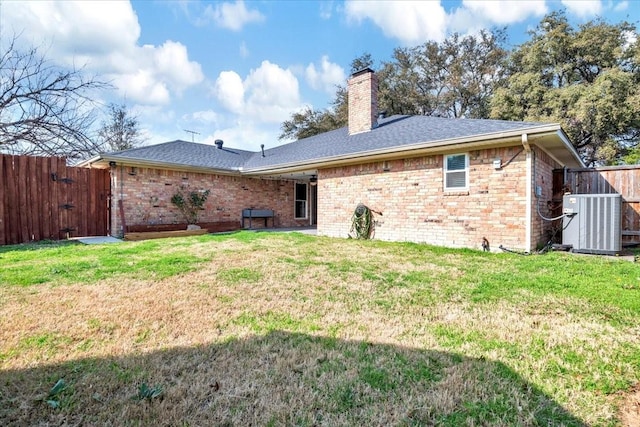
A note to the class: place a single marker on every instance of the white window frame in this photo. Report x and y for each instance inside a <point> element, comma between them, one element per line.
<point>296,200</point>
<point>446,171</point>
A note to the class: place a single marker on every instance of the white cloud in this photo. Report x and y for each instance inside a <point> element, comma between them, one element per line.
<point>273,93</point>
<point>327,77</point>
<point>232,16</point>
<point>414,22</point>
<point>583,8</point>
<point>103,36</point>
<point>171,62</point>
<point>244,50</point>
<point>84,28</point>
<point>505,11</point>
<point>255,106</point>
<point>326,10</point>
<point>229,90</point>
<point>621,7</point>
<point>206,116</point>
<point>408,21</point>
<point>142,87</point>
<point>630,39</point>
<point>268,94</point>
<point>244,135</point>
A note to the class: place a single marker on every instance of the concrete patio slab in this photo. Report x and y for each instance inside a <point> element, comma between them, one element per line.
<point>96,240</point>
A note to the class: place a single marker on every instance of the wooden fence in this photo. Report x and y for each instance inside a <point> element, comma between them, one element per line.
<point>623,180</point>
<point>43,198</point>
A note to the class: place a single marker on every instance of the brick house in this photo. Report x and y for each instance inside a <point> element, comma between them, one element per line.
<point>447,182</point>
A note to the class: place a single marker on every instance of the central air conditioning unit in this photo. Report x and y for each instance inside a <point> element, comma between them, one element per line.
<point>592,223</point>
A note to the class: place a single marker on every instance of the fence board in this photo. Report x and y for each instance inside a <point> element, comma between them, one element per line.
<point>23,206</point>
<point>32,202</point>
<point>31,192</point>
<point>13,224</point>
<point>55,197</point>
<point>83,213</point>
<point>93,194</point>
<point>43,179</point>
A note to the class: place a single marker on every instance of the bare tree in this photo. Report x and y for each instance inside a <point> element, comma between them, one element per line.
<point>44,109</point>
<point>121,131</point>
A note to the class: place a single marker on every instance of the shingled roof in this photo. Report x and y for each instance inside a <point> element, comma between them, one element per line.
<point>183,153</point>
<point>396,133</point>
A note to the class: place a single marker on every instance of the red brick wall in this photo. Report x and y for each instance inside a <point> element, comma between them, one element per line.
<point>415,207</point>
<point>147,196</point>
<point>542,173</point>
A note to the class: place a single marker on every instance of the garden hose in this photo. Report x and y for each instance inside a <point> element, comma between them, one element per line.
<point>361,222</point>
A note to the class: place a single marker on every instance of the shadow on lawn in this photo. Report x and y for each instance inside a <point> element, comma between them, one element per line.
<point>281,378</point>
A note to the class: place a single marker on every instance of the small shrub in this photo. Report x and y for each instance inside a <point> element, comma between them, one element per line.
<point>190,203</point>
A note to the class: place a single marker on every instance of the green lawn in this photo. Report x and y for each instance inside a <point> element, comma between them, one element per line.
<point>291,329</point>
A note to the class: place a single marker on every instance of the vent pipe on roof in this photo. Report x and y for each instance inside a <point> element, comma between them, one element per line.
<point>262,148</point>
<point>219,143</point>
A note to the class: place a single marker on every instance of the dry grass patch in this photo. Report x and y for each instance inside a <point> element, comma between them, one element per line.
<point>286,329</point>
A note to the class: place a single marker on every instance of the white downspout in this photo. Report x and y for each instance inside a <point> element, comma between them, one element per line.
<point>529,195</point>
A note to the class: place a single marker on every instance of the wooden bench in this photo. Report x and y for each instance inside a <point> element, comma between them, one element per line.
<point>258,213</point>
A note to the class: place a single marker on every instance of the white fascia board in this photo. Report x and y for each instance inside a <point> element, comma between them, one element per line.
<point>569,146</point>
<point>87,163</point>
<point>464,143</point>
<point>171,166</point>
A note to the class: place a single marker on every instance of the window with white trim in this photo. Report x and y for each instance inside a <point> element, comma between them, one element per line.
<point>456,172</point>
<point>301,200</point>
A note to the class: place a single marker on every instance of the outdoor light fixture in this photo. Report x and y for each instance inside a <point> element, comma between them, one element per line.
<point>313,180</point>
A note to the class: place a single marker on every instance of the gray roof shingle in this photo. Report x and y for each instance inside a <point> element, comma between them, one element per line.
<point>189,154</point>
<point>392,132</point>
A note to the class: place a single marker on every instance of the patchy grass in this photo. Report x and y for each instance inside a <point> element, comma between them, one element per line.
<point>33,264</point>
<point>290,329</point>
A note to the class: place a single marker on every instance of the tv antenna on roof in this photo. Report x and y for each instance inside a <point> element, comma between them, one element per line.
<point>192,132</point>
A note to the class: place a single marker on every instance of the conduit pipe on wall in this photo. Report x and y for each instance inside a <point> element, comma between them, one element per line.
<point>528,191</point>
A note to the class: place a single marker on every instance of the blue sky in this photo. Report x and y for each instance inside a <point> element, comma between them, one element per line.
<point>235,70</point>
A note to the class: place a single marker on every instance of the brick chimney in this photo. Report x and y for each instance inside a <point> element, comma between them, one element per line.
<point>363,101</point>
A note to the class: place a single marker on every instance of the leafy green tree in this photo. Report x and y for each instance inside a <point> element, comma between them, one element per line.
<point>308,122</point>
<point>122,130</point>
<point>455,78</point>
<point>632,157</point>
<point>587,79</point>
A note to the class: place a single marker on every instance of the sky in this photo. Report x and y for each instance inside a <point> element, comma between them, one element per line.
<point>235,70</point>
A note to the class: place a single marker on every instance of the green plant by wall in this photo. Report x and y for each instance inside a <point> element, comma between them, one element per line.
<point>190,203</point>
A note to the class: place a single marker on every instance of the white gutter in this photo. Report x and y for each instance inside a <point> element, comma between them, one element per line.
<point>89,162</point>
<point>130,161</point>
<point>414,149</point>
<point>476,141</point>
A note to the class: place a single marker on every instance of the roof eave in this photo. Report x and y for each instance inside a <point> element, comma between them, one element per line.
<point>466,143</point>
<point>569,146</point>
<point>103,161</point>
